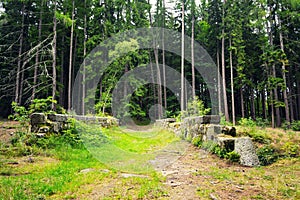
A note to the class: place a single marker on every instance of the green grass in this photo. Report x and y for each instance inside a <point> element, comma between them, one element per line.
<point>125,151</point>
<point>108,152</point>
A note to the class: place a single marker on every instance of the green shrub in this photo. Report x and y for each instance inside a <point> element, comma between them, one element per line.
<point>259,136</point>
<point>197,141</point>
<point>262,122</point>
<point>247,122</point>
<point>214,148</point>
<point>295,125</point>
<point>233,156</point>
<point>267,155</point>
<point>195,107</point>
<point>290,149</point>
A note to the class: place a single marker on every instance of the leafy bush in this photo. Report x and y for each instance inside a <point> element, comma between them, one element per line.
<point>197,141</point>
<point>259,136</point>
<point>267,155</point>
<point>295,125</point>
<point>290,149</point>
<point>224,122</point>
<point>195,107</point>
<point>262,122</point>
<point>214,148</point>
<point>233,156</point>
<point>22,114</point>
<point>247,122</point>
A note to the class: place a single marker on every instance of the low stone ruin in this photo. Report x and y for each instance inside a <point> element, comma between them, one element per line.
<point>207,128</point>
<point>54,123</point>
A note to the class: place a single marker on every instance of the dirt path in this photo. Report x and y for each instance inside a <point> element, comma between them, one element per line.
<point>186,175</point>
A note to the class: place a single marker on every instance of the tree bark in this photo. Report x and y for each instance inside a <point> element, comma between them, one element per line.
<point>158,83</point>
<point>219,82</point>
<point>192,51</point>
<point>53,106</point>
<point>286,103</point>
<point>223,68</point>
<point>70,59</point>
<point>37,56</point>
<point>84,63</point>
<point>17,91</point>
<point>231,84</point>
<point>242,102</point>
<point>182,103</point>
<point>163,56</point>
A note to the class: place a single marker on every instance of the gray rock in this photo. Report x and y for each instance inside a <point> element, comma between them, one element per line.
<point>245,148</point>
<point>37,118</point>
<point>58,117</point>
<point>212,131</point>
<point>84,171</point>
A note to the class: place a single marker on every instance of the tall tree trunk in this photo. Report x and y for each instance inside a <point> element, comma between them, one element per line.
<point>17,91</point>
<point>62,89</point>
<point>192,50</point>
<point>291,97</point>
<point>158,83</point>
<point>163,56</point>
<point>219,82</point>
<point>84,63</point>
<point>223,67</point>
<point>275,92</point>
<point>242,102</point>
<point>286,103</point>
<point>71,58</point>
<point>37,56</point>
<point>264,109</point>
<point>182,103</point>
<point>252,105</point>
<point>231,84</point>
<point>153,81</point>
<point>53,106</point>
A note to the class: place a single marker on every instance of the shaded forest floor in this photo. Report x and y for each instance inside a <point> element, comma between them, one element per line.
<point>180,171</point>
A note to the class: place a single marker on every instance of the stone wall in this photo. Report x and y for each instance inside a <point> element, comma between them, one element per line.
<point>207,128</point>
<point>44,123</point>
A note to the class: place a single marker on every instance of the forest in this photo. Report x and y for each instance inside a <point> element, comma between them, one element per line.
<point>254,43</point>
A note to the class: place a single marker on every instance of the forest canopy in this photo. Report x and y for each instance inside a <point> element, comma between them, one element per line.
<point>254,43</point>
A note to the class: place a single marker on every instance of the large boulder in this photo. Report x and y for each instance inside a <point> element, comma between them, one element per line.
<point>245,148</point>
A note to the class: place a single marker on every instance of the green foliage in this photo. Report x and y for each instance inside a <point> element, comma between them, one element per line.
<point>290,149</point>
<point>247,122</point>
<point>267,155</point>
<point>214,148</point>
<point>295,125</point>
<point>224,122</point>
<point>262,122</point>
<point>233,156</point>
<point>259,136</point>
<point>21,113</point>
<point>195,107</point>
<point>197,141</point>
<point>44,106</point>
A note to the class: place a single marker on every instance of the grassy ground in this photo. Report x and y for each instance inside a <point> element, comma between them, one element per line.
<point>113,164</point>
<point>56,173</point>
